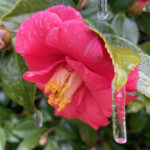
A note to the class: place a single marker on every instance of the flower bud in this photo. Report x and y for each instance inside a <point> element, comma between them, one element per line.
<point>5,39</point>
<point>137,6</point>
<point>43,140</point>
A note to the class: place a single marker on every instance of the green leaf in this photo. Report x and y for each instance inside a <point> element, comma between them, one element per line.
<point>104,27</point>
<point>25,8</point>
<point>134,107</point>
<point>27,129</point>
<point>29,143</point>
<point>131,31</point>
<point>120,5</point>
<point>5,112</point>
<point>144,76</point>
<point>2,139</point>
<point>5,6</point>
<point>145,21</point>
<point>118,23</point>
<point>51,145</point>
<point>90,11</point>
<point>125,27</point>
<point>145,47</point>
<point>4,99</point>
<point>124,60</point>
<point>137,122</point>
<point>10,137</point>
<point>116,40</point>
<point>65,132</point>
<point>67,146</point>
<point>88,135</point>
<point>12,67</point>
<point>142,99</point>
<point>144,71</point>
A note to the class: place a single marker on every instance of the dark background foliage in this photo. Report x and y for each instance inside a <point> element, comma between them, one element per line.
<point>19,100</point>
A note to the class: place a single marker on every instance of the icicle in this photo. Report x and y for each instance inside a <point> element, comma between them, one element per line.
<point>118,115</point>
<point>102,9</point>
<point>38,119</point>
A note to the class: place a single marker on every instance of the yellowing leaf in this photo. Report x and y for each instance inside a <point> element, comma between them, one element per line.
<point>123,59</point>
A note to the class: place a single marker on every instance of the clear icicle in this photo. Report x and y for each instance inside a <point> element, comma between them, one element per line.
<point>102,9</point>
<point>38,119</point>
<point>118,115</point>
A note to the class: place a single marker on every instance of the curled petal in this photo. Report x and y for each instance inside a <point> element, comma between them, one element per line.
<point>99,86</point>
<point>84,107</point>
<point>65,13</point>
<point>76,40</point>
<point>131,84</point>
<point>42,76</point>
<point>30,40</point>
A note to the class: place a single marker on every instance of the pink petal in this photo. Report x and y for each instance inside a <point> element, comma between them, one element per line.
<point>42,76</point>
<point>65,13</point>
<point>131,98</point>
<point>84,107</point>
<point>76,40</point>
<point>131,84</point>
<point>30,40</point>
<point>99,86</point>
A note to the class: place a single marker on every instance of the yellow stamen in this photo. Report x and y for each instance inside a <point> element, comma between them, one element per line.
<point>62,85</point>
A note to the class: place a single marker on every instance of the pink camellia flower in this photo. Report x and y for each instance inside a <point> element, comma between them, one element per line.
<point>137,6</point>
<point>70,64</point>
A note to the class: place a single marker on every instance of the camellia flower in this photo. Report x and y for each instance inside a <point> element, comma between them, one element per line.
<point>70,64</point>
<point>137,6</point>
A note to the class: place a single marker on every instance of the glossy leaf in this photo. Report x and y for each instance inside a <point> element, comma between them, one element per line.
<point>134,107</point>
<point>12,67</point>
<point>118,23</point>
<point>122,42</point>
<point>52,145</point>
<point>2,139</point>
<point>145,21</point>
<point>90,10</point>
<point>142,99</point>
<point>131,31</point>
<point>144,75</point>
<point>124,60</point>
<point>145,47</point>
<point>65,132</point>
<point>67,146</point>
<point>29,143</point>
<point>104,27</point>
<point>27,129</point>
<point>25,8</point>
<point>5,112</point>
<point>137,122</point>
<point>144,71</point>
<point>4,99</point>
<point>88,135</point>
<point>10,137</point>
<point>126,27</point>
<point>120,5</point>
<point>5,6</point>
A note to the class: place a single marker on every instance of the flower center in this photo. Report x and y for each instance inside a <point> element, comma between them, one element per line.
<point>62,85</point>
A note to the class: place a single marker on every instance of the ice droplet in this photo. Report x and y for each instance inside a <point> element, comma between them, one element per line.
<point>118,115</point>
<point>38,119</point>
<point>102,9</point>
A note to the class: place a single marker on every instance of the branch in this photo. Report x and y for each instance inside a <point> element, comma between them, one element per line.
<point>81,4</point>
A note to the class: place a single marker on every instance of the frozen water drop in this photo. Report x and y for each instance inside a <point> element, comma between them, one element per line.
<point>118,115</point>
<point>102,9</point>
<point>38,119</point>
